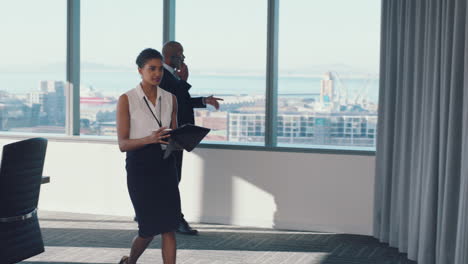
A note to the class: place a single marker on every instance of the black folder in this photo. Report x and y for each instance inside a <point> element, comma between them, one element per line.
<point>186,137</point>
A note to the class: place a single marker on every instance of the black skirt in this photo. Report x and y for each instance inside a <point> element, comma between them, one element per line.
<point>153,188</point>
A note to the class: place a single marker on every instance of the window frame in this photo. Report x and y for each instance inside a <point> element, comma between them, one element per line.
<point>72,123</point>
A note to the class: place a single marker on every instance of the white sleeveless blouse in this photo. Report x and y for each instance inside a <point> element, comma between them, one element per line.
<point>142,122</point>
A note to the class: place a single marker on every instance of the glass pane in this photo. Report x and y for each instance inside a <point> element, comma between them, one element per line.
<point>33,66</point>
<point>328,67</point>
<point>113,33</point>
<point>225,47</point>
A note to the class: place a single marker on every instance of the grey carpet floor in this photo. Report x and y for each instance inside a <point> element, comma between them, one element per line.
<point>98,239</point>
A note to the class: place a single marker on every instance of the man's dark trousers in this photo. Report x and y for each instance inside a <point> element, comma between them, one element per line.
<point>185,115</point>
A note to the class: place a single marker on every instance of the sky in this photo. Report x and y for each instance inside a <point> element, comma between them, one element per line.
<point>218,35</point>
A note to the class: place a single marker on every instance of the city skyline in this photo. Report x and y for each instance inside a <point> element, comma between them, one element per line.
<point>321,119</point>
<point>225,47</point>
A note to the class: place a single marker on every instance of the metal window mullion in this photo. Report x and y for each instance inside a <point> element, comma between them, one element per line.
<point>271,111</point>
<point>169,20</point>
<point>73,68</point>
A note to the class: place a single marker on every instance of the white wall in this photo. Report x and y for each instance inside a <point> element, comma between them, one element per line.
<point>318,192</point>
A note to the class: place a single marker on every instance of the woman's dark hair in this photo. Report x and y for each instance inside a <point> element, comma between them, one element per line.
<point>146,55</point>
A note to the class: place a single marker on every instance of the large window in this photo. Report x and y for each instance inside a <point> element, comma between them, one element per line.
<point>113,33</point>
<point>32,66</point>
<point>327,60</point>
<point>225,48</point>
<point>328,73</point>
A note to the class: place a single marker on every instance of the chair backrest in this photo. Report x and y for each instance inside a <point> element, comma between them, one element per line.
<point>21,176</point>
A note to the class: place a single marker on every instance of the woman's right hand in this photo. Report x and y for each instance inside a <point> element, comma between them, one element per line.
<point>158,136</point>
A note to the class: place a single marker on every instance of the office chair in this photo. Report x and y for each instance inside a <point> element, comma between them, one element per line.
<point>20,181</point>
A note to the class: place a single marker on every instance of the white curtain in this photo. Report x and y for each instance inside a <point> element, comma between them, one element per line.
<point>421,191</point>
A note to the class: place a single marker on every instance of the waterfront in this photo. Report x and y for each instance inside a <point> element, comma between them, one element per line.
<point>327,110</point>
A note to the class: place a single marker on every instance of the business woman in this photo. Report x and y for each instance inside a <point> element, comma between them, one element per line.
<point>143,116</point>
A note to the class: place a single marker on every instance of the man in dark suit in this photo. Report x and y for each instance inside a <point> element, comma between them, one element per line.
<point>175,81</point>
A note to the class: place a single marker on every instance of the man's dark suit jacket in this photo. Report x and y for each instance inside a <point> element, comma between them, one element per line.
<point>185,102</point>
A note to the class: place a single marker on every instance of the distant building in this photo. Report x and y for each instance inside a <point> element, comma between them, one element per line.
<point>327,90</point>
<point>246,127</point>
<point>51,98</point>
<point>353,129</point>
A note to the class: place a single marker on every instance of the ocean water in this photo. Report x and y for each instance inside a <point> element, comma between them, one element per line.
<point>116,83</point>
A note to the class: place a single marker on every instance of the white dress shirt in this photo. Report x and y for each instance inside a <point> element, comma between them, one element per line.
<point>142,121</point>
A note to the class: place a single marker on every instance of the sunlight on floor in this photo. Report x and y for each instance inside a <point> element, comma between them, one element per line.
<point>84,255</point>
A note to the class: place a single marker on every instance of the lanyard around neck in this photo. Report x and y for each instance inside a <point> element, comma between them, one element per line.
<point>160,110</point>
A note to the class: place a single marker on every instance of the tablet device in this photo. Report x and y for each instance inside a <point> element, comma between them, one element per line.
<point>186,137</point>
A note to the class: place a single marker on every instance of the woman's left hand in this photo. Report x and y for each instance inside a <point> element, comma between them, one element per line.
<point>159,135</point>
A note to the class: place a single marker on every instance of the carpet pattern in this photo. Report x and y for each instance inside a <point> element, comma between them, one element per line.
<point>99,239</point>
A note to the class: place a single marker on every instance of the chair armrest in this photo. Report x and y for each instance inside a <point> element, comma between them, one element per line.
<point>17,218</point>
<point>45,179</point>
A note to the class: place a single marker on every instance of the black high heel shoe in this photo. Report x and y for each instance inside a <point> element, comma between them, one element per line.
<point>123,260</point>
